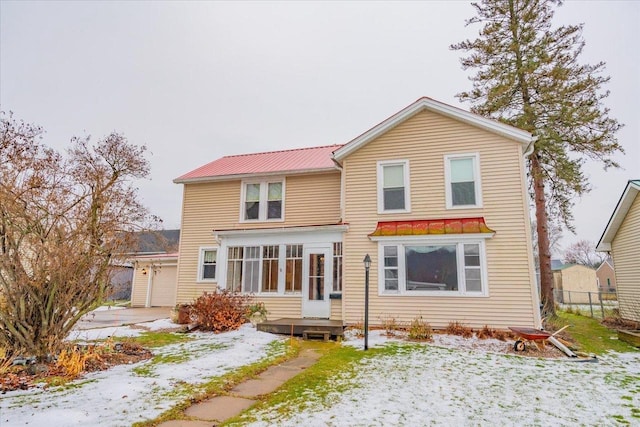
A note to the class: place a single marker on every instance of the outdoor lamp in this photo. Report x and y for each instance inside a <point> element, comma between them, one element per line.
<point>367,261</point>
<point>144,271</point>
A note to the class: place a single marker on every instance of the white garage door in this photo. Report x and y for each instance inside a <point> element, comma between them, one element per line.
<point>163,289</point>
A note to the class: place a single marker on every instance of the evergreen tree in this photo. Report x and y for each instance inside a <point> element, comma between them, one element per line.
<point>528,75</point>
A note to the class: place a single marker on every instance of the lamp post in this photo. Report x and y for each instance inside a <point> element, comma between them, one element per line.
<point>367,265</point>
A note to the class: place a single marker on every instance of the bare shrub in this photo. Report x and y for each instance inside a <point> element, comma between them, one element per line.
<point>457,328</point>
<point>390,325</point>
<point>420,330</point>
<point>221,311</point>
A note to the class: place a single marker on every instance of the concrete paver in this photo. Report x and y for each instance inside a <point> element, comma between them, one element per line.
<point>257,387</point>
<point>282,373</point>
<point>219,408</point>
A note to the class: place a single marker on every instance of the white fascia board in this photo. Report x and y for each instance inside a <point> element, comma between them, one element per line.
<point>253,175</point>
<point>281,230</point>
<point>494,126</point>
<point>619,213</point>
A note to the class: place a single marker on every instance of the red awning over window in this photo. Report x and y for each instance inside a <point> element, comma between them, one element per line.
<point>422,227</point>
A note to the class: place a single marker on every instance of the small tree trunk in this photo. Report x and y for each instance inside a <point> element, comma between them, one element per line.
<point>544,252</point>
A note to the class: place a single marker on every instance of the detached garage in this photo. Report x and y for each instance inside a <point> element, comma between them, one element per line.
<point>154,280</point>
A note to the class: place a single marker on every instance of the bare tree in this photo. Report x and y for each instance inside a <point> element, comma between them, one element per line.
<point>555,235</point>
<point>63,220</point>
<point>584,252</point>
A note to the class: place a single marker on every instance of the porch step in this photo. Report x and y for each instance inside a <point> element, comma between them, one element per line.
<point>311,333</point>
<point>292,326</point>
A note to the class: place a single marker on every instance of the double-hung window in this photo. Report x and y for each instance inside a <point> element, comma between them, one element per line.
<point>393,186</point>
<point>262,201</point>
<point>433,267</point>
<point>208,259</point>
<point>462,175</point>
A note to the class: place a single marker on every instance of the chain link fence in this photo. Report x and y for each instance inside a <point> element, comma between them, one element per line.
<point>595,304</point>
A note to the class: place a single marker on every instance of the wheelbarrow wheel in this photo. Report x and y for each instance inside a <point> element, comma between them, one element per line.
<point>519,346</point>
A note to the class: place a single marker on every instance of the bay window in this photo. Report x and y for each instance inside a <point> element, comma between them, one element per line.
<point>433,267</point>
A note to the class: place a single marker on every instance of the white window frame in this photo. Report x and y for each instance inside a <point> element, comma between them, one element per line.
<point>459,241</point>
<point>476,179</point>
<point>202,250</point>
<point>407,190</point>
<point>263,200</point>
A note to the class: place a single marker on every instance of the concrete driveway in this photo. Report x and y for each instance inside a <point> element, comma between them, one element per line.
<point>102,317</point>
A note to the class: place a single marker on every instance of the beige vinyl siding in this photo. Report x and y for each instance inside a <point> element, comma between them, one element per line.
<point>424,140</point>
<point>282,306</point>
<point>625,247</point>
<point>311,199</point>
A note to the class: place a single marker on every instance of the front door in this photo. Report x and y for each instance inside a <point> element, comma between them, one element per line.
<point>316,281</point>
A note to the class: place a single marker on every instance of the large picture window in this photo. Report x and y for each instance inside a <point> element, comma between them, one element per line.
<point>393,186</point>
<point>433,268</point>
<point>262,201</point>
<point>463,181</point>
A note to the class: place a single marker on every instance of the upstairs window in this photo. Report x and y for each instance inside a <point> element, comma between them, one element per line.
<point>393,186</point>
<point>262,201</point>
<point>463,181</point>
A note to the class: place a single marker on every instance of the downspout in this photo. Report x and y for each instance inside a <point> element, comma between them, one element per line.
<point>537,318</point>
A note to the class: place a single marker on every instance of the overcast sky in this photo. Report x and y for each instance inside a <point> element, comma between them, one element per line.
<point>195,81</point>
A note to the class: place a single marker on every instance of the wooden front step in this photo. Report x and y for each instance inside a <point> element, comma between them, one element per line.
<point>298,327</point>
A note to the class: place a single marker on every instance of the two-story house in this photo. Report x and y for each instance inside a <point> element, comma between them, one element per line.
<point>434,194</point>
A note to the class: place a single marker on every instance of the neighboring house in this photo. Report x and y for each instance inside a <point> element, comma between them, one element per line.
<point>621,239</point>
<point>574,282</point>
<point>155,265</point>
<point>434,194</point>
<point>606,276</point>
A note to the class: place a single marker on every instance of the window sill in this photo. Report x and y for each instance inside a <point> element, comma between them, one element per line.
<point>207,281</point>
<point>432,294</point>
<point>465,207</point>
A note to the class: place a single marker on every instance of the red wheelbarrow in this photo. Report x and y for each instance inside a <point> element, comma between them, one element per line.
<point>536,336</point>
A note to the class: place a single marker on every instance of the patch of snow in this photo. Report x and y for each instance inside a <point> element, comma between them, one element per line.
<point>119,396</point>
<point>160,324</point>
<point>454,381</point>
<point>103,333</point>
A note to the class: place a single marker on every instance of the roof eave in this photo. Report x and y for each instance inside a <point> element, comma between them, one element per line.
<point>510,132</point>
<point>252,175</point>
<point>619,213</point>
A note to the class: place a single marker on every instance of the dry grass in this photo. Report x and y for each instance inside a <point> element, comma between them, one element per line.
<point>457,328</point>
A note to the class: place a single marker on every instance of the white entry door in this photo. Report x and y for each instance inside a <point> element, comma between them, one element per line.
<point>316,281</point>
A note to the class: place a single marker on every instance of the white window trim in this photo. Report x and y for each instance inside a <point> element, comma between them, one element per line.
<point>433,240</point>
<point>407,190</point>
<point>476,177</point>
<point>202,250</point>
<point>264,195</point>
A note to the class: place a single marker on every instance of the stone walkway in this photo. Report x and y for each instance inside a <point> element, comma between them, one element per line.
<point>244,395</point>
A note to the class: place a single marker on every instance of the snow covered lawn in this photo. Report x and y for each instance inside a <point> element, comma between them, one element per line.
<point>458,382</point>
<point>125,394</point>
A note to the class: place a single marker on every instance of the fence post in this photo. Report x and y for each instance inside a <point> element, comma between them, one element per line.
<point>590,304</point>
<point>601,304</point>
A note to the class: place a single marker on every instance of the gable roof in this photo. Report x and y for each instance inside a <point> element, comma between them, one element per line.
<point>619,213</point>
<point>313,159</point>
<point>557,264</point>
<point>424,103</point>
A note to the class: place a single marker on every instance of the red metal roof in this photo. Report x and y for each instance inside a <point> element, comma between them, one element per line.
<point>423,227</point>
<point>302,159</point>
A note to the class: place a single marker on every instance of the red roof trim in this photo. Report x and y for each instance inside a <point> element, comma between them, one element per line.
<point>423,227</point>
